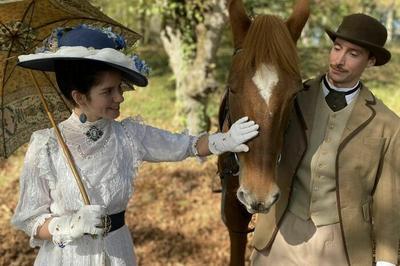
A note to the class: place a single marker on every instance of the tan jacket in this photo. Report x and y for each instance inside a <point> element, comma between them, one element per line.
<point>367,176</point>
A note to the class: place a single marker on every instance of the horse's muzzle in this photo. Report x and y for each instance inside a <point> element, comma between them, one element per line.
<point>257,206</point>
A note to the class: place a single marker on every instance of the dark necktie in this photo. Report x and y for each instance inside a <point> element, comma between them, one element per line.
<point>336,100</point>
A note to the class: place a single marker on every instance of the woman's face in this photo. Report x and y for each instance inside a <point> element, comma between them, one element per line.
<point>104,98</point>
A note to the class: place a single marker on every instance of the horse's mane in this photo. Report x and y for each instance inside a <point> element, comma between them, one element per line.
<point>269,41</point>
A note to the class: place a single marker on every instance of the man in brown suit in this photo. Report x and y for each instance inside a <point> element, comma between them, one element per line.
<point>339,172</point>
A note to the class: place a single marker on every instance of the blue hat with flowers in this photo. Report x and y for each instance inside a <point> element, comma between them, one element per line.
<point>85,42</point>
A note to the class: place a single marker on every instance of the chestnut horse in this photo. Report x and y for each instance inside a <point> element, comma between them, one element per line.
<point>263,81</point>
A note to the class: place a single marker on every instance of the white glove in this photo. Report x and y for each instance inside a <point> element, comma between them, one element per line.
<point>240,132</point>
<point>66,228</point>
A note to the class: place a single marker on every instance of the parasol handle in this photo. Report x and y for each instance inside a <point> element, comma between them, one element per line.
<point>64,147</point>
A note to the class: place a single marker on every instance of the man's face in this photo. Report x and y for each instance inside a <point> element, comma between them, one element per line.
<point>347,62</point>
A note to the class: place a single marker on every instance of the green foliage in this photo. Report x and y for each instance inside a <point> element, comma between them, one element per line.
<point>181,15</point>
<point>384,81</point>
<point>281,8</point>
<point>123,11</point>
<point>184,15</point>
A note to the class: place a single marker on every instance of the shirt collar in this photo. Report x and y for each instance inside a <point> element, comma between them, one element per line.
<point>349,97</point>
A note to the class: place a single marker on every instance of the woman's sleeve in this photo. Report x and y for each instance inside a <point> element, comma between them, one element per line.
<point>36,181</point>
<point>157,145</point>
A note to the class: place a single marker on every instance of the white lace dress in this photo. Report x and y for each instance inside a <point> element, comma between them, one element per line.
<point>107,166</point>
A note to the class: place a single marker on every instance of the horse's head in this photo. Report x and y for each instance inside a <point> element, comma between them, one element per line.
<point>263,81</point>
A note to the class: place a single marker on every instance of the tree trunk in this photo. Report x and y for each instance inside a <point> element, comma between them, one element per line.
<point>389,24</point>
<point>195,78</point>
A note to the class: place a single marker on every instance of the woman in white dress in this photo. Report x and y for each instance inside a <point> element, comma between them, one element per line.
<point>90,69</point>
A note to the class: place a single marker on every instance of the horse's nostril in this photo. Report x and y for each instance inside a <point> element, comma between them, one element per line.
<point>240,195</point>
<point>275,198</point>
<point>257,206</point>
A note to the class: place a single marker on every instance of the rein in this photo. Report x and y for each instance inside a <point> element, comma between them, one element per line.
<point>231,163</point>
<point>226,101</point>
<point>237,50</point>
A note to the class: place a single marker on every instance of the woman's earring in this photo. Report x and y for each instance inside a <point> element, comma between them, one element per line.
<point>82,118</point>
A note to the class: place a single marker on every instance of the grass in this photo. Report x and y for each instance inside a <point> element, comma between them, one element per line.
<point>154,103</point>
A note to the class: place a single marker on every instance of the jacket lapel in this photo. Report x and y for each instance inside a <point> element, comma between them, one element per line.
<point>361,114</point>
<point>307,102</point>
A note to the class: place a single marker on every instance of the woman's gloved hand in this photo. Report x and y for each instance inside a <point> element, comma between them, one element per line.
<point>87,220</point>
<point>240,132</point>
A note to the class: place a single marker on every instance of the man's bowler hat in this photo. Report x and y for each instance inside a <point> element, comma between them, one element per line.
<point>366,32</point>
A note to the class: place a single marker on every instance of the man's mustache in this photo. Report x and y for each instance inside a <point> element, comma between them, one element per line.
<point>338,67</point>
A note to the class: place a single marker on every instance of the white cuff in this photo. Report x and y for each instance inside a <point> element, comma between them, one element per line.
<point>194,150</point>
<point>384,263</point>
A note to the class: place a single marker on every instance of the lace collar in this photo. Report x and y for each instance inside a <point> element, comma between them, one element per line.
<point>74,122</point>
<point>89,137</point>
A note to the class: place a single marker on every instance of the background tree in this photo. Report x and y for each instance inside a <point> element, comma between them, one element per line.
<point>191,34</point>
<point>389,11</point>
<point>140,15</point>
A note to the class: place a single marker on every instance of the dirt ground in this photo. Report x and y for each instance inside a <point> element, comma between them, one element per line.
<point>174,218</point>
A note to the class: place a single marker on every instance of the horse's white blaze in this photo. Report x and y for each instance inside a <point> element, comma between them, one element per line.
<point>265,79</point>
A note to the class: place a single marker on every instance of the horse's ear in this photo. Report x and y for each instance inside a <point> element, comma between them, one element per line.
<point>239,20</point>
<point>298,18</point>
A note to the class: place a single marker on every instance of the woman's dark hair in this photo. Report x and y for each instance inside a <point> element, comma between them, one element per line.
<point>78,75</point>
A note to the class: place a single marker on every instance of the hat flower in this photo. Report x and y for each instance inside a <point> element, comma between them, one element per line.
<point>140,65</point>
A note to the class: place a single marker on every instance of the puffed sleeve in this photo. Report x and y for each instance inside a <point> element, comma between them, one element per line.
<point>386,203</point>
<point>36,181</point>
<point>157,145</point>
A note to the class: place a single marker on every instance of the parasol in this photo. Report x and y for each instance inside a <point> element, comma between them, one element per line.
<point>30,100</point>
